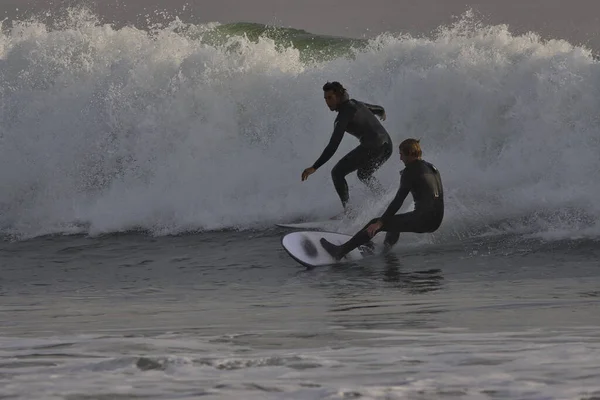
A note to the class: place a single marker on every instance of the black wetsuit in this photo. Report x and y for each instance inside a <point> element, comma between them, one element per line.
<point>423,181</point>
<point>358,119</point>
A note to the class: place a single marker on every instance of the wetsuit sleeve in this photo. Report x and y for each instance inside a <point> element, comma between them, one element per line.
<point>403,191</point>
<point>336,137</point>
<point>375,109</point>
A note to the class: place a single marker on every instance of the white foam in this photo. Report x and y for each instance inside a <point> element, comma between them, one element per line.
<point>105,130</point>
<point>403,364</point>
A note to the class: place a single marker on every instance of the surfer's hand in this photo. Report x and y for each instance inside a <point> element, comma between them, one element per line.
<point>382,116</point>
<point>307,172</point>
<point>374,228</point>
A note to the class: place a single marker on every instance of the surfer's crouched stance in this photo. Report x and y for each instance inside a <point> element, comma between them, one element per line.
<point>424,182</point>
<point>358,119</point>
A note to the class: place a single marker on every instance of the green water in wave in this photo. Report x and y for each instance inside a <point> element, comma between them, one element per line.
<point>312,47</point>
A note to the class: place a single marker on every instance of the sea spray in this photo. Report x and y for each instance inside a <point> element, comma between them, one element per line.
<point>191,128</point>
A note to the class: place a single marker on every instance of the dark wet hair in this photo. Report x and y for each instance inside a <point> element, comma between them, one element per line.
<point>336,87</point>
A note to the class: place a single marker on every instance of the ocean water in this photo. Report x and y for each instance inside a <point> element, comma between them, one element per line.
<point>142,173</point>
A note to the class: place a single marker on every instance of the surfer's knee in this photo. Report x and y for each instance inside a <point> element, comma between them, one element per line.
<point>342,168</point>
<point>337,172</point>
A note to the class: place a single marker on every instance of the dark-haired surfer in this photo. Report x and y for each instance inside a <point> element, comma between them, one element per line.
<point>375,148</point>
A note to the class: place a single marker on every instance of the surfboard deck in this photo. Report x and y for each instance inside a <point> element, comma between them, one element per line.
<point>309,224</point>
<point>305,247</point>
<point>322,224</point>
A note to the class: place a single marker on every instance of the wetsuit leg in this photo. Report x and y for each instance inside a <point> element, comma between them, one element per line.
<point>414,222</point>
<point>407,222</point>
<point>391,238</point>
<point>410,222</point>
<point>348,164</point>
<point>361,238</point>
<point>374,161</point>
<point>366,161</point>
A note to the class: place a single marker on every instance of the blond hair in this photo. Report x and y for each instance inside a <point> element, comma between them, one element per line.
<point>411,148</point>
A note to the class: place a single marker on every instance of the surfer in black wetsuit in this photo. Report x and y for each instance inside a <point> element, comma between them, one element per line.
<point>419,178</point>
<point>375,148</point>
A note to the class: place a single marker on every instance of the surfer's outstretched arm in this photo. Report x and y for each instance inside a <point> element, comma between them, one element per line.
<point>403,191</point>
<point>341,124</point>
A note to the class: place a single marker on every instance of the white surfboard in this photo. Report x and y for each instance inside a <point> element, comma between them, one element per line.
<point>323,224</point>
<point>305,247</point>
